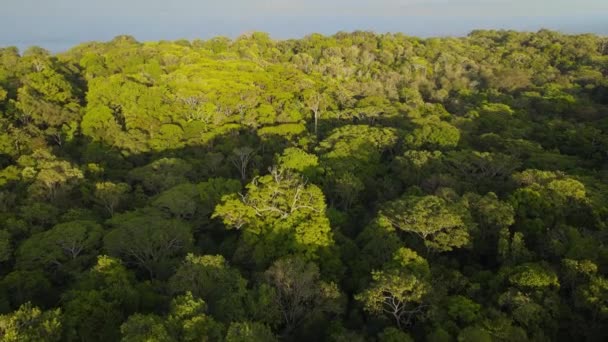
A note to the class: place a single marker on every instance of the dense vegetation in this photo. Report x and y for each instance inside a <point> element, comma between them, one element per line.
<point>345,188</point>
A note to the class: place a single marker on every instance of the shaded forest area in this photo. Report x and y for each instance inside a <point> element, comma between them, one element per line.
<point>356,187</point>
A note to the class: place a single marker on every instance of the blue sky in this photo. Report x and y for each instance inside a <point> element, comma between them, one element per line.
<point>59,24</point>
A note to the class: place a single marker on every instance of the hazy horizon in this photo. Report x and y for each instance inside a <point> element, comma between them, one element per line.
<point>61,24</point>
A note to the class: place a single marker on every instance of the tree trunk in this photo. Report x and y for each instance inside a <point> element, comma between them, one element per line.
<point>316,121</point>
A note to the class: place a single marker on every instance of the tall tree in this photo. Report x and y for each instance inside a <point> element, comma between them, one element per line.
<point>399,289</point>
<point>439,224</point>
<point>280,214</point>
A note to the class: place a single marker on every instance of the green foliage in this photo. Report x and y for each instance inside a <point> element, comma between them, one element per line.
<point>299,293</point>
<point>24,286</point>
<point>463,310</point>
<point>6,249</point>
<point>351,187</point>
<point>186,321</point>
<point>189,322</point>
<point>399,289</point>
<point>110,195</point>
<point>99,124</point>
<point>31,324</point>
<point>212,191</point>
<point>146,239</point>
<point>181,201</point>
<point>413,165</point>
<point>533,276</point>
<point>438,223</point>
<point>68,245</point>
<point>103,298</point>
<point>394,335</point>
<point>433,134</point>
<point>249,332</point>
<point>280,214</point>
<point>161,174</point>
<point>210,278</point>
<point>50,178</point>
<point>299,161</point>
<point>474,334</point>
<point>144,328</point>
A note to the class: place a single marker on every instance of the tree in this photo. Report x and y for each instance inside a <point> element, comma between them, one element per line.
<point>144,328</point>
<point>546,200</point>
<point>490,212</point>
<point>241,157</point>
<point>100,301</point>
<point>352,158</point>
<point>413,165</point>
<point>300,161</point>
<point>210,278</point>
<point>110,195</point>
<point>533,276</point>
<point>161,174</point>
<point>433,133</point>
<point>149,241</point>
<point>493,218</point>
<point>189,322</point>
<point>317,102</point>
<point>280,214</point>
<point>593,297</point>
<point>463,310</point>
<point>438,223</point>
<point>533,299</point>
<point>31,324</point>
<point>379,241</point>
<point>89,315</point>
<point>6,250</point>
<point>474,334</point>
<point>212,191</point>
<point>299,293</point>
<point>67,245</point>
<point>100,124</point>
<point>399,289</point>
<point>49,100</point>
<point>186,321</point>
<point>181,201</point>
<point>485,170</point>
<point>21,286</point>
<point>391,334</point>
<point>51,178</point>
<point>249,332</point>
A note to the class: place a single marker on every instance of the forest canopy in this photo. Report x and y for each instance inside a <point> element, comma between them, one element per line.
<point>354,187</point>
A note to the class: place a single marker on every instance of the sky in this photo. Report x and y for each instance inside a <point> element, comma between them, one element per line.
<point>59,24</point>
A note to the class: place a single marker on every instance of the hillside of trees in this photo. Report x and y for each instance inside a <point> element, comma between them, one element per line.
<point>354,187</point>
